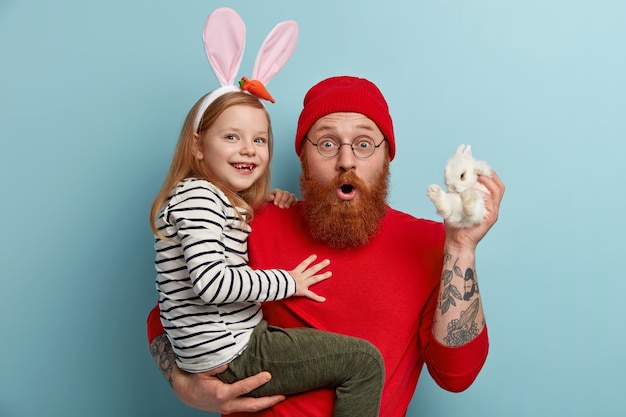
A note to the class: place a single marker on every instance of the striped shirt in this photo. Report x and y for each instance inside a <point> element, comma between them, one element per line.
<point>208,295</point>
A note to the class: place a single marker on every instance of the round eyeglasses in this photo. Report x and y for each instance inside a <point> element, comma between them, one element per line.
<point>329,146</point>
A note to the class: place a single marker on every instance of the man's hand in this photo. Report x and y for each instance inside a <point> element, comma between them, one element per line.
<point>204,391</point>
<point>459,317</point>
<point>468,238</point>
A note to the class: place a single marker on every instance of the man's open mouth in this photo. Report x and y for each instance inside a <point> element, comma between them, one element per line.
<point>346,188</point>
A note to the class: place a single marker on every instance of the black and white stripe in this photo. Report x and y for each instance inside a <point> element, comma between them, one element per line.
<point>209,297</point>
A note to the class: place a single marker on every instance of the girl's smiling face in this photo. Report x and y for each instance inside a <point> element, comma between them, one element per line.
<point>235,149</point>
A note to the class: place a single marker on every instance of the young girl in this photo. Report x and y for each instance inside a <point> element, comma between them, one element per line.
<point>210,298</point>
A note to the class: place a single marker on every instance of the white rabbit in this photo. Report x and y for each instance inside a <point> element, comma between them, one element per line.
<point>463,205</point>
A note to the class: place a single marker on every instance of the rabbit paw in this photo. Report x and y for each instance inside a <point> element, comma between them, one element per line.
<point>469,198</point>
<point>434,192</point>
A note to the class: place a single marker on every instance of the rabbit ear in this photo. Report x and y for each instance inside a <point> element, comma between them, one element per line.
<point>275,51</point>
<point>465,150</point>
<point>224,41</point>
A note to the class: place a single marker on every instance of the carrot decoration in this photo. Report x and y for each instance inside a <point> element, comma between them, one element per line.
<point>255,87</point>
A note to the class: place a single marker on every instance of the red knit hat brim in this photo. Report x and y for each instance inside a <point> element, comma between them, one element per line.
<point>345,94</point>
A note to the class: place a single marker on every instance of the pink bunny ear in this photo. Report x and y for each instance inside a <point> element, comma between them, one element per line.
<point>224,41</point>
<point>275,51</point>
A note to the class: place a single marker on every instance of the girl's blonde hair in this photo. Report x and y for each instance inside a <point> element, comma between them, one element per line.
<point>185,165</point>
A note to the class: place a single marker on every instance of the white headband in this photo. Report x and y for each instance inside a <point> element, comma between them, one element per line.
<point>224,41</point>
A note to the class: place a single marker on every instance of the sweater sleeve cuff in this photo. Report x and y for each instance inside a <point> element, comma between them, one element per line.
<point>456,368</point>
<point>154,325</point>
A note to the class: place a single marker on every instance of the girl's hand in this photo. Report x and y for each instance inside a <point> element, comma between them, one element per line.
<point>306,275</point>
<point>282,199</point>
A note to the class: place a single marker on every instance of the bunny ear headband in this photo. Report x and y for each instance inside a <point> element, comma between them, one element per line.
<point>224,40</point>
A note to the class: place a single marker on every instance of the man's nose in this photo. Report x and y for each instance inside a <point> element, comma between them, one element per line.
<point>346,161</point>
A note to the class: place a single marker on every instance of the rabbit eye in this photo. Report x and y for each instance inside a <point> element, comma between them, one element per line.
<point>463,176</point>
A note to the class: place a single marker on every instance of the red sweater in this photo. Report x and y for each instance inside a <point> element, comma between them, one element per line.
<point>385,292</point>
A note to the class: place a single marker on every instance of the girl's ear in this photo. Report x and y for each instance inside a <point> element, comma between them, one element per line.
<point>196,147</point>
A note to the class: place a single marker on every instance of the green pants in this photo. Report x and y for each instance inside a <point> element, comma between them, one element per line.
<point>305,359</point>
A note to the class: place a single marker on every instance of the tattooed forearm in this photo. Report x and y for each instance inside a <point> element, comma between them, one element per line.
<point>450,291</point>
<point>163,355</point>
<point>466,327</point>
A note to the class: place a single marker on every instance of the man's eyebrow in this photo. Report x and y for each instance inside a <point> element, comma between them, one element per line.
<point>330,127</point>
<point>366,127</point>
<point>322,128</point>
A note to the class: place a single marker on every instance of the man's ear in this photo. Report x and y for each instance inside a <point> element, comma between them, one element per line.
<point>196,147</point>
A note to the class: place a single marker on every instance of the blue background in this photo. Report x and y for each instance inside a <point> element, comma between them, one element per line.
<point>93,94</point>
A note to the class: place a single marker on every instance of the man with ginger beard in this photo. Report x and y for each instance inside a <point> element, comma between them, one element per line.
<point>343,223</point>
<point>392,273</point>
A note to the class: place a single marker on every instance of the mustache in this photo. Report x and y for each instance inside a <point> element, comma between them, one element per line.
<point>348,178</point>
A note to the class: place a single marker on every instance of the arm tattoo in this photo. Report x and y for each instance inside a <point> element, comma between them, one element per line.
<point>450,291</point>
<point>465,328</point>
<point>163,355</point>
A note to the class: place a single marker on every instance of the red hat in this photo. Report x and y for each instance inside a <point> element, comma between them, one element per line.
<point>345,94</point>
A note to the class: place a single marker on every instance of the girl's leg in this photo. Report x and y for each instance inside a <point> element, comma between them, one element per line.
<point>305,359</point>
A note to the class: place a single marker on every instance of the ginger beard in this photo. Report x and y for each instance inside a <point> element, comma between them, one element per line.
<point>338,223</point>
